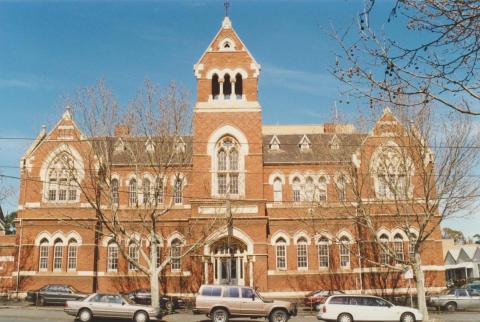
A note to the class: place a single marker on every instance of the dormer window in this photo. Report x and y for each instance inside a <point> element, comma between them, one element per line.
<point>180,146</point>
<point>274,144</point>
<point>149,146</point>
<point>304,144</point>
<point>120,146</point>
<point>334,143</point>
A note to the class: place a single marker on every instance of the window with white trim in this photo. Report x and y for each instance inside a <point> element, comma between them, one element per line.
<point>384,257</point>
<point>72,255</point>
<point>322,189</point>
<point>309,189</point>
<point>227,166</point>
<point>132,193</point>
<point>114,187</point>
<point>296,187</point>
<point>57,256</point>
<point>323,253</point>
<point>341,188</point>
<point>175,254</point>
<point>112,257</point>
<point>178,191</point>
<point>62,186</point>
<point>411,247</point>
<point>391,169</point>
<point>277,190</point>
<point>133,253</point>
<point>43,256</point>
<point>398,247</point>
<point>281,253</point>
<point>344,252</point>
<point>159,190</point>
<point>146,191</point>
<point>302,253</point>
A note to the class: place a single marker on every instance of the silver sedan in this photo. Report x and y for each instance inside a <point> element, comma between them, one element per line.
<point>111,306</point>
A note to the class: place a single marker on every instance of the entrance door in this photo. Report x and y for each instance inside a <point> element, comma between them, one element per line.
<point>229,270</point>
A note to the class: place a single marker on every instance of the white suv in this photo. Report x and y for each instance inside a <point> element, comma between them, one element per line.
<point>348,308</point>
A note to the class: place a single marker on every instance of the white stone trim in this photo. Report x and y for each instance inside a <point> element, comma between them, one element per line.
<point>382,231</point>
<point>32,205</point>
<point>278,234</point>
<point>175,235</point>
<point>7,258</point>
<point>274,175</point>
<point>221,45</point>
<point>222,72</point>
<point>325,234</point>
<point>345,233</point>
<point>231,105</point>
<point>223,232</point>
<point>203,210</point>
<point>300,234</point>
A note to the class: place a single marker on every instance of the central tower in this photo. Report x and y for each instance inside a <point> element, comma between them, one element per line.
<point>227,153</point>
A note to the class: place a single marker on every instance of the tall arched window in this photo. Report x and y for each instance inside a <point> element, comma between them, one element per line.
<point>215,87</point>
<point>383,257</point>
<point>227,86</point>
<point>296,187</point>
<point>112,257</point>
<point>227,166</point>
<point>132,192</point>
<point>62,185</point>
<point>323,253</point>
<point>43,256</point>
<point>178,191</point>
<point>57,255</point>
<point>344,252</point>
<point>175,254</point>
<point>277,190</point>
<point>281,253</point>
<point>146,190</point>
<point>411,247</point>
<point>309,189</point>
<point>114,188</point>
<point>322,189</point>
<point>133,253</point>
<point>341,188</point>
<point>302,253</point>
<point>159,190</point>
<point>391,168</point>
<point>238,86</point>
<point>398,247</point>
<point>72,255</point>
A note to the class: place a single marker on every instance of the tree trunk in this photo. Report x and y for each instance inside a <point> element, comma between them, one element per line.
<point>154,285</point>
<point>420,278</point>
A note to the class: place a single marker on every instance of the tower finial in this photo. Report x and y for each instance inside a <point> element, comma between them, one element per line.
<point>226,4</point>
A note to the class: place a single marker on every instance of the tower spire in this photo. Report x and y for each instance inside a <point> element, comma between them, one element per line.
<point>226,4</point>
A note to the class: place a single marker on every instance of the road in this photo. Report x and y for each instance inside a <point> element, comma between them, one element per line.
<point>56,314</point>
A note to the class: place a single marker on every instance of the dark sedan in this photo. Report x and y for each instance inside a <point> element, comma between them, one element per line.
<point>54,294</point>
<point>168,303</point>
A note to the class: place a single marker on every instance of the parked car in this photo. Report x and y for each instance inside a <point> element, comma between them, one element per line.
<point>221,302</point>
<point>474,287</point>
<point>144,296</point>
<point>348,308</point>
<point>111,306</point>
<point>314,298</point>
<point>459,298</point>
<point>54,294</point>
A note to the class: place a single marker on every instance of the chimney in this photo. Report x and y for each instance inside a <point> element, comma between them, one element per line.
<point>329,128</point>
<point>122,130</point>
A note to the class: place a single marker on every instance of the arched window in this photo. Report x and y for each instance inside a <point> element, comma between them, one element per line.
<point>391,173</point>
<point>132,192</point>
<point>146,191</point>
<point>112,257</point>
<point>178,191</point>
<point>114,188</point>
<point>43,256</point>
<point>344,252</point>
<point>411,247</point>
<point>215,87</point>
<point>62,186</point>
<point>277,190</point>
<point>57,255</point>
<point>323,253</point>
<point>309,189</point>
<point>238,86</point>
<point>133,253</point>
<point>383,257</point>
<point>159,190</point>
<point>175,254</point>
<point>72,255</point>
<point>296,189</point>
<point>398,247</point>
<point>322,189</point>
<point>227,86</point>
<point>302,253</point>
<point>341,188</point>
<point>281,252</point>
<point>227,166</point>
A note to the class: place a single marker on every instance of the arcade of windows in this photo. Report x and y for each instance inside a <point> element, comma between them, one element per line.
<point>227,87</point>
<point>59,251</point>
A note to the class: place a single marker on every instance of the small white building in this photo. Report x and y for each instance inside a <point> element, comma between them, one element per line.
<point>462,262</point>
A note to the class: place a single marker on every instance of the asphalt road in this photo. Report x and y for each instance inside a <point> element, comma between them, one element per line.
<point>56,314</point>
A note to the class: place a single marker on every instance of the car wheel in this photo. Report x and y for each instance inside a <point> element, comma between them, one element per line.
<point>278,315</point>
<point>141,316</point>
<point>407,317</point>
<point>41,301</point>
<point>219,315</point>
<point>451,306</point>
<point>85,315</point>
<point>344,317</point>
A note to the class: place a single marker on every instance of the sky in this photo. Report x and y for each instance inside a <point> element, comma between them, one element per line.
<point>49,49</point>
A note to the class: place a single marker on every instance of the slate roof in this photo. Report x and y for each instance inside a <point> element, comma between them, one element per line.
<point>319,152</point>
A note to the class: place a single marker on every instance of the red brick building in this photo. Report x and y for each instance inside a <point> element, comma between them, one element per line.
<point>274,174</point>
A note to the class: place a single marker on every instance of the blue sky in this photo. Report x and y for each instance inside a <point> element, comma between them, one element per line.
<point>51,48</point>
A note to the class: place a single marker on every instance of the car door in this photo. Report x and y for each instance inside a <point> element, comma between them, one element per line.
<point>252,304</point>
<point>462,298</point>
<point>99,305</point>
<point>232,299</point>
<point>375,309</point>
<point>118,308</point>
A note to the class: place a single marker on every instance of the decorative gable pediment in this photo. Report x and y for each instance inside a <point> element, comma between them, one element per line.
<point>150,146</point>
<point>334,143</point>
<point>180,145</point>
<point>119,146</point>
<point>304,143</point>
<point>274,144</point>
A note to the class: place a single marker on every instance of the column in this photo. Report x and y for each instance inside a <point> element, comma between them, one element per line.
<point>234,95</point>
<point>205,269</point>
<point>250,270</point>
<point>220,95</point>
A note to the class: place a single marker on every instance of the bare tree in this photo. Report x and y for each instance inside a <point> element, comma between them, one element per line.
<point>436,61</point>
<point>153,147</point>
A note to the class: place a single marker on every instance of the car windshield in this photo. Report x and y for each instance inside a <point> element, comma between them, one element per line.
<point>259,296</point>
